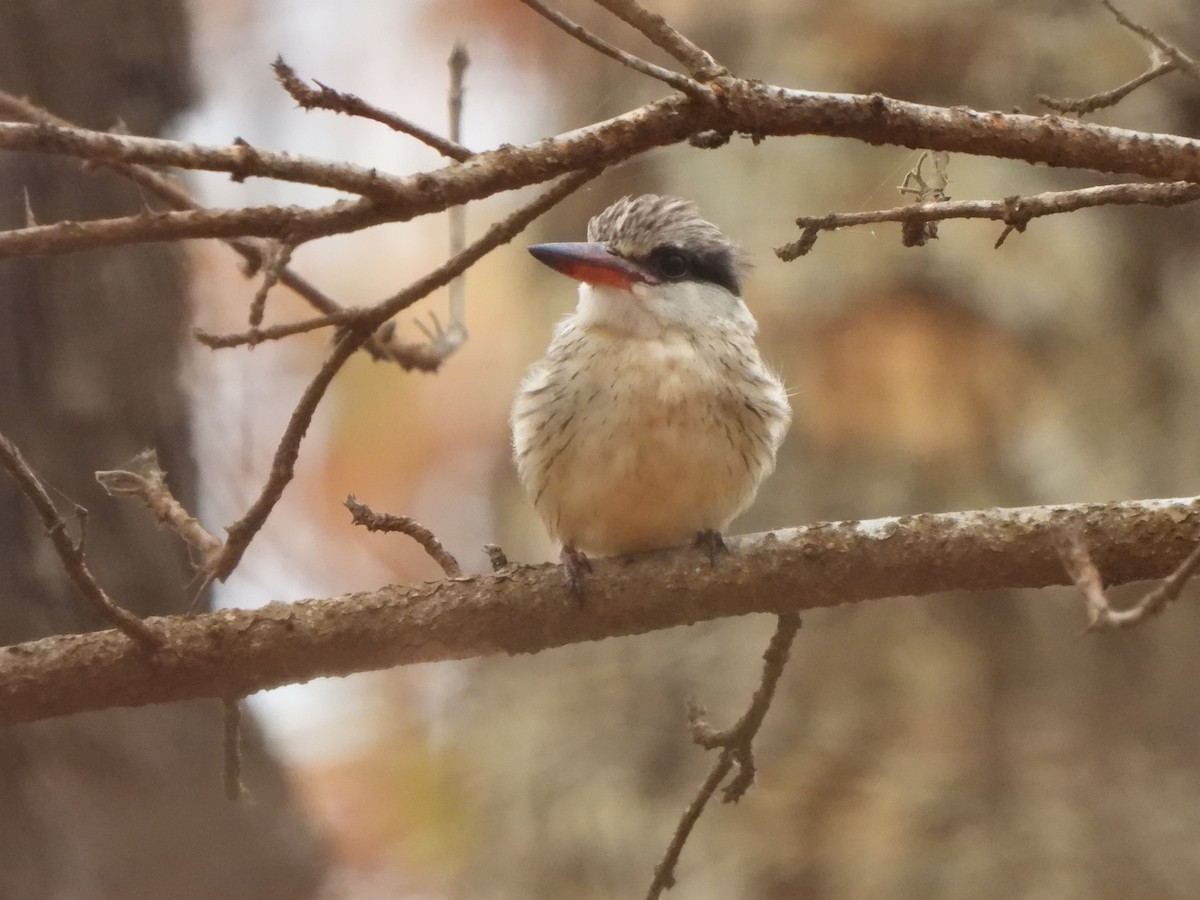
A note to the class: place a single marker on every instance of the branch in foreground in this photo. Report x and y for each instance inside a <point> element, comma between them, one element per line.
<point>71,554</point>
<point>523,609</point>
<point>1014,212</point>
<point>1101,615</point>
<point>737,749</point>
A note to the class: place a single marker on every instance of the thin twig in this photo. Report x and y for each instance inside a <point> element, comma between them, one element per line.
<point>240,159</point>
<point>72,554</point>
<point>373,521</point>
<point>442,343</point>
<point>699,63</point>
<point>277,260</point>
<point>1183,62</point>
<point>257,336</point>
<point>581,34</point>
<point>235,790</point>
<point>1106,99</point>
<point>736,745</point>
<point>1101,615</point>
<point>1015,212</point>
<point>325,97</point>
<point>148,482</point>
<point>279,222</point>
<point>283,466</point>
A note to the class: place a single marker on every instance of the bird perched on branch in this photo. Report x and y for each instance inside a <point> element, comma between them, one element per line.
<point>652,420</point>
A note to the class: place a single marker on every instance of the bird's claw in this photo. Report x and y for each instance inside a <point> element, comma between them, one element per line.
<point>575,563</point>
<point>711,542</point>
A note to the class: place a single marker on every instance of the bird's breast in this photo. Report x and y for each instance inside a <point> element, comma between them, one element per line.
<point>629,445</point>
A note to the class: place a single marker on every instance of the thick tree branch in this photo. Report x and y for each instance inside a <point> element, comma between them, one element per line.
<point>235,652</point>
<point>748,107</point>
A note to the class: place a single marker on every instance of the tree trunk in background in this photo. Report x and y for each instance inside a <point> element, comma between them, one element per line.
<point>957,746</point>
<point>126,803</point>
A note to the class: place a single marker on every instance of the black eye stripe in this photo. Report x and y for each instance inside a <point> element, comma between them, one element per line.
<point>672,263</point>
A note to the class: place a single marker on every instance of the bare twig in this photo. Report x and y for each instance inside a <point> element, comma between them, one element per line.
<point>1101,615</point>
<point>71,554</point>
<point>1182,61</point>
<point>699,63</point>
<point>736,746</point>
<point>1015,212</point>
<point>148,482</point>
<point>277,260</point>
<point>235,790</point>
<point>235,652</point>
<point>239,159</point>
<point>325,97</point>
<point>497,558</point>
<point>283,467</point>
<point>373,521</point>
<point>273,333</point>
<point>1106,99</point>
<point>581,34</point>
<point>442,343</point>
<point>278,222</point>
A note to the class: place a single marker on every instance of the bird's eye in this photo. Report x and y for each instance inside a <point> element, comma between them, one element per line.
<point>673,264</point>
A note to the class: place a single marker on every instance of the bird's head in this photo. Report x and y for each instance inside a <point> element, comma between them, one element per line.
<point>652,264</point>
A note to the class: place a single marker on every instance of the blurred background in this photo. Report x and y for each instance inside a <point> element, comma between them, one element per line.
<point>944,747</point>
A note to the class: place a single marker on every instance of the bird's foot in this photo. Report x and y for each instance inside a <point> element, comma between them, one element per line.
<point>713,543</point>
<point>575,563</point>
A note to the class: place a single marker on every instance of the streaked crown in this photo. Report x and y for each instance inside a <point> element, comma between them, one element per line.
<point>671,239</point>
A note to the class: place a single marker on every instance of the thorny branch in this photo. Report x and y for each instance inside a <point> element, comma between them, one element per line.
<point>144,636</point>
<point>1014,212</point>
<point>1101,615</point>
<point>362,514</point>
<point>737,750</point>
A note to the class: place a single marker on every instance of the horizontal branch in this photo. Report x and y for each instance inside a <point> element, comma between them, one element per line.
<point>733,106</point>
<point>235,652</point>
<point>1015,212</point>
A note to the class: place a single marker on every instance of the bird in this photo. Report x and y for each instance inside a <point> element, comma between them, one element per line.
<point>652,419</point>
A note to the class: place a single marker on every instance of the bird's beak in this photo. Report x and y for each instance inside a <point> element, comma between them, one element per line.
<point>594,264</point>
